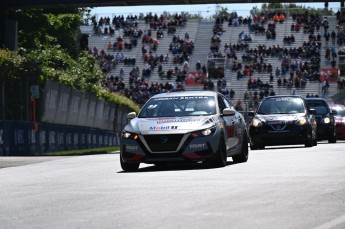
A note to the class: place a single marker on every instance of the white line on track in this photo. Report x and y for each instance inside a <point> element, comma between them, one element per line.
<point>332,223</point>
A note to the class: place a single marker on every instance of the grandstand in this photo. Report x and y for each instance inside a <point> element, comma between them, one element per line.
<point>200,33</point>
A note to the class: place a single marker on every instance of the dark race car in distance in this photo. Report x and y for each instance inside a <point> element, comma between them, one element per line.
<point>192,126</point>
<point>282,120</point>
<point>324,117</point>
<point>339,119</point>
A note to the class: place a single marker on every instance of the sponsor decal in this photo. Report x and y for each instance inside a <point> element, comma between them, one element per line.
<point>51,99</point>
<point>181,98</point>
<point>84,105</point>
<point>61,138</point>
<point>230,130</point>
<point>43,137</point>
<point>197,146</point>
<point>63,104</point>
<point>19,137</point>
<point>75,139</point>
<point>94,139</point>
<point>163,128</point>
<point>178,120</point>
<point>75,104</point>
<point>1,140</point>
<point>32,136</point>
<point>132,148</point>
<point>69,138</point>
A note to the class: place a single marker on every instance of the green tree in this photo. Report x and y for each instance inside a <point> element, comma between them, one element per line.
<point>291,8</point>
<point>49,49</point>
<point>46,28</point>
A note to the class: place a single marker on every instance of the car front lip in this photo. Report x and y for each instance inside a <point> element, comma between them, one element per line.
<point>340,129</point>
<point>267,136</point>
<point>324,130</point>
<point>188,150</point>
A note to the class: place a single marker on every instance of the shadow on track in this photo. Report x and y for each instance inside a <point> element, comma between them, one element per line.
<point>177,167</point>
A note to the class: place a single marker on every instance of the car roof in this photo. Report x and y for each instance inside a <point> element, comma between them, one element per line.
<point>280,96</point>
<point>186,93</point>
<point>340,106</point>
<point>315,98</point>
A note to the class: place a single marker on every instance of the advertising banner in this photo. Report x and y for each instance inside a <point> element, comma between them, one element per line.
<point>19,138</point>
<point>62,112</point>
<point>99,114</point>
<point>74,107</point>
<point>66,106</point>
<point>91,115</point>
<point>51,99</point>
<point>331,74</point>
<point>118,119</point>
<point>195,78</point>
<point>83,110</point>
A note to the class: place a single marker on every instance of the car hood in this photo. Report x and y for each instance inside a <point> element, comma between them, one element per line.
<point>170,125</point>
<point>339,119</point>
<point>283,118</point>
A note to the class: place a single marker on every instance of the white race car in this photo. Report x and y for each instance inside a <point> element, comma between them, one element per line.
<point>184,126</point>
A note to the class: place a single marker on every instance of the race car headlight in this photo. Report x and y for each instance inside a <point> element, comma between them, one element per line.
<point>326,120</point>
<point>301,121</point>
<point>205,132</point>
<point>256,122</point>
<point>128,135</point>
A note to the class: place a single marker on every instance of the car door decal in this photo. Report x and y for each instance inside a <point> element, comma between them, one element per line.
<point>230,130</point>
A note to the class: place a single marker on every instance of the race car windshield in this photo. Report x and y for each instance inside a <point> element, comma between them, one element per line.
<point>281,105</point>
<point>319,106</point>
<point>177,106</point>
<point>340,112</point>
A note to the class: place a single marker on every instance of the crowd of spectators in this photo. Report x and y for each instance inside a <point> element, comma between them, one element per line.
<point>139,89</point>
<point>298,64</point>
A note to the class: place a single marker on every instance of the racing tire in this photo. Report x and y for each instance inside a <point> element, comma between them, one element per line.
<point>309,141</point>
<point>243,156</point>
<point>129,167</point>
<point>315,141</point>
<point>332,138</point>
<point>220,158</point>
<point>253,147</point>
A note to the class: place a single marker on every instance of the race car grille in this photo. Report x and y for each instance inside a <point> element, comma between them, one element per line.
<point>161,143</point>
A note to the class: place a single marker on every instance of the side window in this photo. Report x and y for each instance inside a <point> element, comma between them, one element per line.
<point>221,104</point>
<point>227,103</point>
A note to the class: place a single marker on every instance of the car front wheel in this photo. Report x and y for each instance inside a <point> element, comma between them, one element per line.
<point>220,158</point>
<point>332,138</point>
<point>309,140</point>
<point>129,167</point>
<point>243,156</point>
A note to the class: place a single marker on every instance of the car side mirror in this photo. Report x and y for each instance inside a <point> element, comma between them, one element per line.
<point>131,115</point>
<point>312,111</point>
<point>333,112</point>
<point>228,112</point>
<point>251,114</point>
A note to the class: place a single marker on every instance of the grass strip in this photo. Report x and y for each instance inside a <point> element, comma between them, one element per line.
<point>83,151</point>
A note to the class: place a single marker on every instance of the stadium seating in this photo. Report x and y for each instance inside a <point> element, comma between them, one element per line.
<point>200,32</point>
